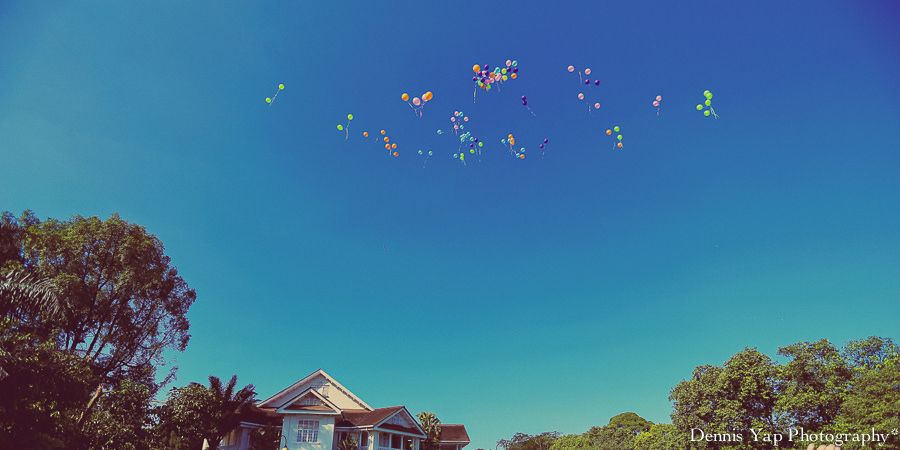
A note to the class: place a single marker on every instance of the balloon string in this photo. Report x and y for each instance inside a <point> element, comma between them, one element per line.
<point>713,112</point>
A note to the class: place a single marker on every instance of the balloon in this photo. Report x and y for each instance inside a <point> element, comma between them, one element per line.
<point>387,146</point>
<point>508,63</point>
<point>523,97</point>
<point>340,127</point>
<point>616,128</point>
<point>619,137</point>
<point>349,116</point>
<point>706,113</point>
<point>394,145</point>
<point>619,145</point>
<point>580,96</point>
<point>476,68</point>
<point>587,71</point>
<point>596,105</point>
<point>596,82</point>
<point>571,68</point>
<point>427,96</point>
<point>659,98</point>
<point>396,154</point>
<point>655,102</point>
<point>699,107</point>
<point>272,99</point>
<point>546,141</point>
<point>387,139</point>
<point>382,131</point>
<point>404,97</point>
<point>708,102</point>
<point>416,101</point>
<point>365,134</point>
<point>608,132</point>
<point>513,76</point>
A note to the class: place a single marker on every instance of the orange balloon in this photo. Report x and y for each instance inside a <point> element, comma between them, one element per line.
<point>382,131</point>
<point>608,132</point>
<point>387,146</point>
<point>365,134</point>
<point>394,145</point>
<point>513,76</point>
<point>396,154</point>
<point>521,156</point>
<point>404,97</point>
<point>476,68</point>
<point>427,96</point>
<point>620,145</point>
<point>387,139</point>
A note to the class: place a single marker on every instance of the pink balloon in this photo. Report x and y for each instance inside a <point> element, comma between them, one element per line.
<point>455,127</point>
<point>587,71</point>
<point>596,106</point>
<point>453,119</point>
<point>416,101</point>
<point>655,103</point>
<point>508,63</point>
<point>571,68</point>
<point>580,96</point>
<point>465,119</point>
<point>659,98</point>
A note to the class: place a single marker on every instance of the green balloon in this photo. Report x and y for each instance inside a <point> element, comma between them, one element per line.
<point>699,107</point>
<point>706,113</point>
<point>480,144</point>
<point>616,128</point>
<point>705,93</point>
<point>709,95</point>
<point>619,137</point>
<point>708,102</point>
<point>349,116</point>
<point>472,151</point>
<point>280,87</point>
<point>340,127</point>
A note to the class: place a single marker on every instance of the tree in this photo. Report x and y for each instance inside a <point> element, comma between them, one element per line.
<point>661,436</point>
<point>41,393</point>
<point>632,422</point>
<point>812,386</point>
<point>196,412</point>
<point>125,303</point>
<point>122,419</point>
<point>874,401</point>
<point>432,426</point>
<point>229,405</point>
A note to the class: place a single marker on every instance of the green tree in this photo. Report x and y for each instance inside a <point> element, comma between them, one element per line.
<point>874,401</point>
<point>125,304</point>
<point>266,438</point>
<point>188,415</point>
<point>123,419</point>
<point>632,422</point>
<point>229,404</point>
<point>812,385</point>
<point>432,426</point>
<point>41,392</point>
<point>660,436</point>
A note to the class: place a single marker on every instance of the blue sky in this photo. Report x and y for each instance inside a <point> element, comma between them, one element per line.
<point>510,295</point>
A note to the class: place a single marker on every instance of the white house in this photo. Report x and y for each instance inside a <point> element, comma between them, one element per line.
<point>316,413</point>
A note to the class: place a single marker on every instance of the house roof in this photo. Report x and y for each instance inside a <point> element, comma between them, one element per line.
<point>453,434</point>
<point>316,403</point>
<point>285,391</point>
<point>378,418</point>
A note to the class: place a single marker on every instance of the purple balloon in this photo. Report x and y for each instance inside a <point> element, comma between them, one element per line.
<point>596,82</point>
<point>486,67</point>
<point>541,146</point>
<point>524,103</point>
<point>523,97</point>
<point>476,139</point>
<point>586,82</point>
<point>545,141</point>
<point>515,69</point>
<point>471,145</point>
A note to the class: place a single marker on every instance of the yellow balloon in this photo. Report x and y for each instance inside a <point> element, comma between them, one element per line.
<point>280,87</point>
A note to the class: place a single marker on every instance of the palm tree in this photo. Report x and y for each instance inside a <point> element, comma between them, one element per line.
<point>432,426</point>
<point>229,404</point>
<point>22,293</point>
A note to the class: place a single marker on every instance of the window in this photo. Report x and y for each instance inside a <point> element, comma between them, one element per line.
<point>322,387</point>
<point>308,431</point>
<point>385,440</point>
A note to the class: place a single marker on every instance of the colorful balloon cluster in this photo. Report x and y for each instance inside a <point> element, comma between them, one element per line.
<point>417,104</point>
<point>656,103</point>
<point>707,104</point>
<point>511,142</point>
<point>484,78</point>
<point>618,137</point>
<point>587,82</point>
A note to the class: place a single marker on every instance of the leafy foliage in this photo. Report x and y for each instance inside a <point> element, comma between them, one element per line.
<point>432,426</point>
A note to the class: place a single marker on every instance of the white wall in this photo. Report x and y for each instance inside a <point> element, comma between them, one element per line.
<point>290,427</point>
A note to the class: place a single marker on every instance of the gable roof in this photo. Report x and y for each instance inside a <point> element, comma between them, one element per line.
<point>310,400</point>
<point>379,418</point>
<point>453,434</point>
<point>277,400</point>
